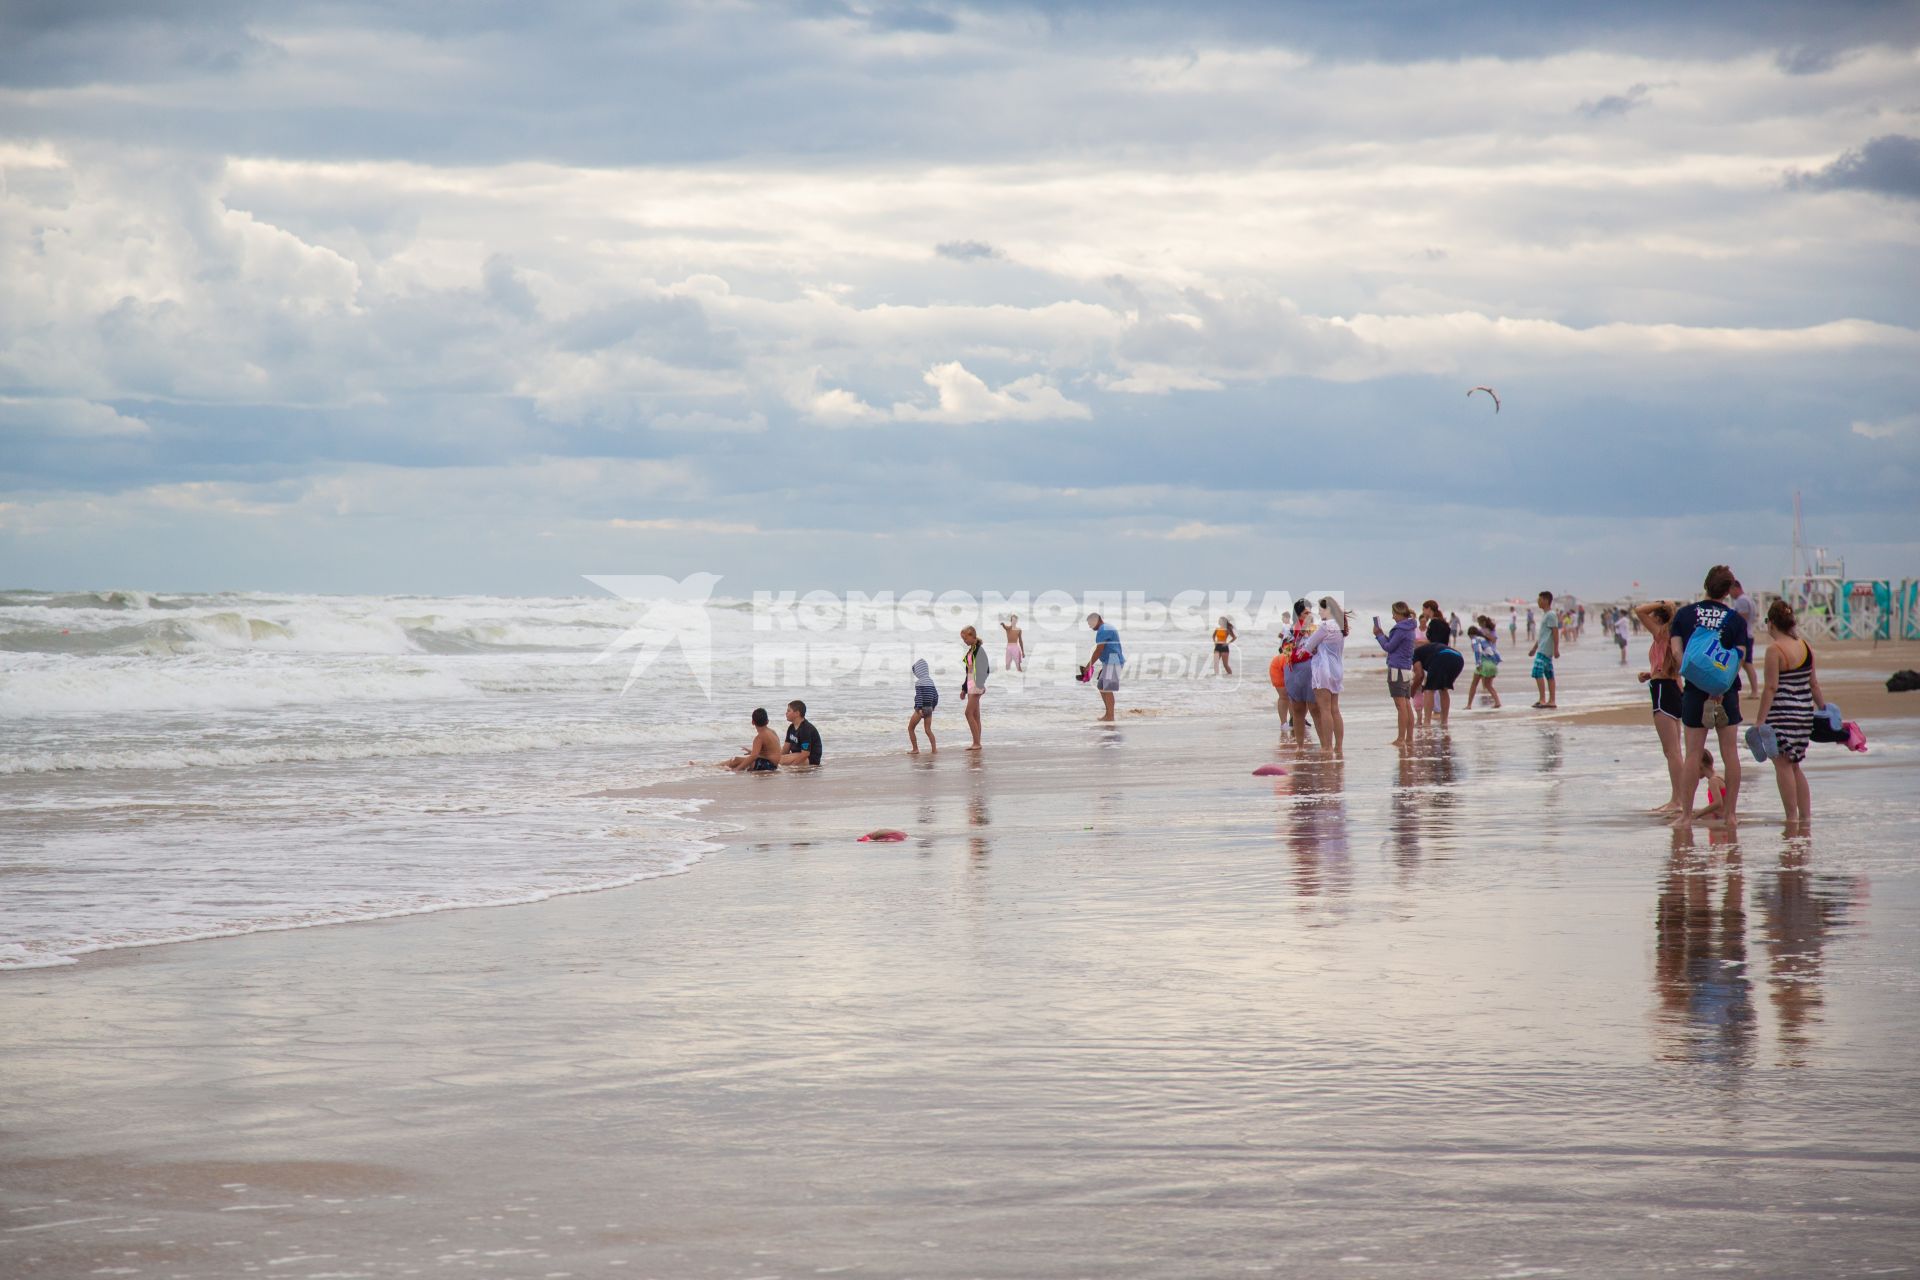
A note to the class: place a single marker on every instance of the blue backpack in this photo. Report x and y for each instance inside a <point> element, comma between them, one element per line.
<point>1707,664</point>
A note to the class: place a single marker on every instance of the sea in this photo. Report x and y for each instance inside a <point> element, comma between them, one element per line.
<point>177,766</point>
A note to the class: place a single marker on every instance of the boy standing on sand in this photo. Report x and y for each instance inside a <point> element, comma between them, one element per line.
<point>1701,709</point>
<point>1544,651</point>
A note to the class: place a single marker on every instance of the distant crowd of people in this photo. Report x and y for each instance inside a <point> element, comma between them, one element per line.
<point>1696,658</point>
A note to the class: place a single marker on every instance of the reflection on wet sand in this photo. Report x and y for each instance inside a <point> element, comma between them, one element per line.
<point>978,817</point>
<point>1700,942</point>
<point>1314,825</point>
<point>1703,977</point>
<point>1799,911</point>
<point>1424,801</point>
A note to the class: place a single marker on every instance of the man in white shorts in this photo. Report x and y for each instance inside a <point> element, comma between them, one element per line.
<point>1106,661</point>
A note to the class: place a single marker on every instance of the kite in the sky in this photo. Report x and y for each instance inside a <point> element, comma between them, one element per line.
<point>1490,391</point>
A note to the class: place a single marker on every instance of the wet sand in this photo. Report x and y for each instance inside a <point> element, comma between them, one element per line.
<point>1853,673</point>
<point>1115,1008</point>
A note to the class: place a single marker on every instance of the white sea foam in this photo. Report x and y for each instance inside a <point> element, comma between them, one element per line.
<point>44,684</point>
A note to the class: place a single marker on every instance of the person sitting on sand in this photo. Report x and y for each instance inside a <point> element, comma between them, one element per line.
<point>803,740</point>
<point>763,753</point>
<point>926,696</point>
<point>1716,804</point>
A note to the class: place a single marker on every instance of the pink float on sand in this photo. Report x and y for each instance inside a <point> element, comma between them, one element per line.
<point>883,835</point>
<point>1269,771</point>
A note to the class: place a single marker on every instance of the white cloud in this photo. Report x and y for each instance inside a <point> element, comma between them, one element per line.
<point>961,397</point>
<point>64,417</point>
<point>1888,429</point>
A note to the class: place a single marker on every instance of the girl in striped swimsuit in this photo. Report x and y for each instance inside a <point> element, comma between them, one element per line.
<point>1791,696</point>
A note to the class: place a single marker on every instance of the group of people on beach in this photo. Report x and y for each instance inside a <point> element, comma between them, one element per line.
<point>1423,664</point>
<point>1696,660</point>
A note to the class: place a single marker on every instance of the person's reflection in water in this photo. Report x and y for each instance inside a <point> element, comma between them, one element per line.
<point>979,818</point>
<point>1798,912</point>
<point>1700,943</point>
<point>1424,800</point>
<point>1315,823</point>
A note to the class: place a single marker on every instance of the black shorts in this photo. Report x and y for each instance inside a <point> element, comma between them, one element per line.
<point>1693,706</point>
<point>1219,648</point>
<point>764,765</point>
<point>1666,697</point>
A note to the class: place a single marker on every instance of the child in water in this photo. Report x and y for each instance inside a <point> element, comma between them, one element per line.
<point>926,696</point>
<point>1486,659</point>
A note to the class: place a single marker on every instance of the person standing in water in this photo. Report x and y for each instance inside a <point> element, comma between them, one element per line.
<point>1399,644</point>
<point>1016,643</point>
<point>1700,708</point>
<point>926,697</point>
<point>1277,676</point>
<point>977,669</point>
<point>1300,672</point>
<point>1485,638</point>
<point>1103,666</point>
<point>1620,634</point>
<point>1545,649</point>
<point>1223,638</point>
<point>1328,645</point>
<point>1662,678</point>
<point>1788,702</point>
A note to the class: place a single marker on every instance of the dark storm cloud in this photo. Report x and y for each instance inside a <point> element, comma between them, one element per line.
<point>1887,166</point>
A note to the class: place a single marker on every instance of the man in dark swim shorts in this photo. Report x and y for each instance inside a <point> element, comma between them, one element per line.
<point>763,753</point>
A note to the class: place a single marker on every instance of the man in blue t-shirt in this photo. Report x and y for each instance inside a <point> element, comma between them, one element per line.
<point>1700,710</point>
<point>1104,666</point>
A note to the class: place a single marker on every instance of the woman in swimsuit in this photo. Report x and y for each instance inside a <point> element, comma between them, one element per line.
<point>1788,701</point>
<point>1663,685</point>
<point>1223,638</point>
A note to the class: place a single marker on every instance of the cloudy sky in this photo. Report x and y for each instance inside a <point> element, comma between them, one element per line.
<point>477,297</point>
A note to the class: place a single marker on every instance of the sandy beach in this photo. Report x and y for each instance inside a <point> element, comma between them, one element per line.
<point>1115,1008</point>
<point>1853,673</point>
